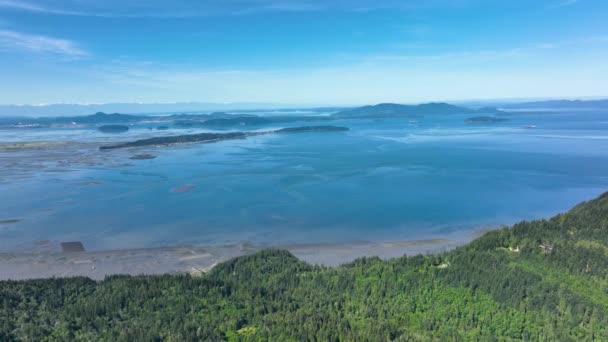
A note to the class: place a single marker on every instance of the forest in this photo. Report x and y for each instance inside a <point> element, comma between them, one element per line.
<point>544,280</point>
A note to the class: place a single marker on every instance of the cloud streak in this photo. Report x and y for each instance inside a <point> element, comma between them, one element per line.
<point>13,40</point>
<point>564,3</point>
<point>34,7</point>
<point>192,8</point>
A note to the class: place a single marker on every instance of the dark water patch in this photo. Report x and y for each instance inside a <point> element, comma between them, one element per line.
<point>59,170</point>
<point>92,183</point>
<point>113,129</point>
<point>183,188</point>
<point>72,247</point>
<point>144,156</point>
<point>311,129</point>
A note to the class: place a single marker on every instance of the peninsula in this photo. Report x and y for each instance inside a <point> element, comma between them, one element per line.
<point>215,137</point>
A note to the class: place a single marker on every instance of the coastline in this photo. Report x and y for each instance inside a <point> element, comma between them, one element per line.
<point>52,262</point>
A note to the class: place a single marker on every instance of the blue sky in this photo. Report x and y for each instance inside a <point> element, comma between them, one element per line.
<point>300,51</point>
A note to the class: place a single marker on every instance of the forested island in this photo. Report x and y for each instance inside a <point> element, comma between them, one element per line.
<point>228,120</point>
<point>389,110</point>
<point>542,281</point>
<point>215,137</point>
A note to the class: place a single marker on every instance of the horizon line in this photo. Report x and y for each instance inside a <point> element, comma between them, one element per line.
<point>312,105</point>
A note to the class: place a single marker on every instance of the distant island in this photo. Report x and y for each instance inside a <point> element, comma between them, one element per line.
<point>215,137</point>
<point>195,108</point>
<point>485,119</point>
<point>387,110</point>
<point>67,109</point>
<point>226,120</point>
<point>560,104</point>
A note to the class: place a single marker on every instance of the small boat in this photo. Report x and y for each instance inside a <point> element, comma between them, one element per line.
<point>529,126</point>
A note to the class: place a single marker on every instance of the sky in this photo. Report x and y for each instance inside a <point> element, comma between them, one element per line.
<point>317,52</point>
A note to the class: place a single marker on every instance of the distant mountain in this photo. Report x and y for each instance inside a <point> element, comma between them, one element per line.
<point>384,109</point>
<point>103,118</point>
<point>398,110</point>
<point>87,119</point>
<point>246,118</point>
<point>560,104</point>
<point>134,108</point>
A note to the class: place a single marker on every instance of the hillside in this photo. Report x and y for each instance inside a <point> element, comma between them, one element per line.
<point>543,281</point>
<point>385,110</point>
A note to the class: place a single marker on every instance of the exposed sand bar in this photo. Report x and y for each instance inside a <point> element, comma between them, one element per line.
<point>191,259</point>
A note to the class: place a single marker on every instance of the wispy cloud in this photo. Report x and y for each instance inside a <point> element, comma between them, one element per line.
<point>148,74</point>
<point>19,5</point>
<point>34,7</point>
<point>13,40</point>
<point>345,84</point>
<point>564,3</point>
<point>473,56</point>
<point>194,8</point>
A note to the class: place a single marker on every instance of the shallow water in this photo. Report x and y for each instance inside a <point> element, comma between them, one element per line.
<point>382,180</point>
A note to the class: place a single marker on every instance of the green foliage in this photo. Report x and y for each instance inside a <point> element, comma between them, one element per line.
<point>503,286</point>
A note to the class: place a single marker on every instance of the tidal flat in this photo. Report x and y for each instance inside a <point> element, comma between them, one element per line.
<point>45,259</point>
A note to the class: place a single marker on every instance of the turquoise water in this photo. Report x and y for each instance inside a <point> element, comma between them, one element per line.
<point>382,180</point>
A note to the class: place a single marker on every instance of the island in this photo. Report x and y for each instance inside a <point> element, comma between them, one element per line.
<point>215,137</point>
<point>227,120</point>
<point>179,139</point>
<point>390,110</point>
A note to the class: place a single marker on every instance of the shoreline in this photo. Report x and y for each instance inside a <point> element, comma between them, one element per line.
<point>51,262</point>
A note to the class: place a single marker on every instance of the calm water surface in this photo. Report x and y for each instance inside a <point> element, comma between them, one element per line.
<point>382,180</point>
